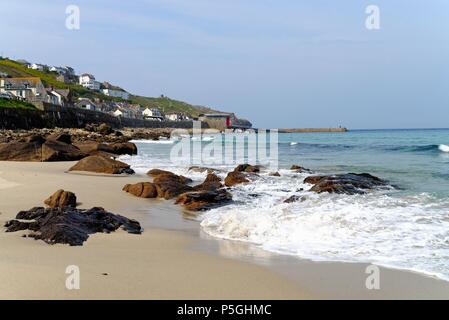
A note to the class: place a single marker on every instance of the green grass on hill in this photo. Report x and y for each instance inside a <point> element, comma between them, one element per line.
<point>16,104</point>
<point>168,105</point>
<point>48,78</point>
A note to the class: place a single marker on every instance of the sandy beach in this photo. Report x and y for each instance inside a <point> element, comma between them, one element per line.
<point>171,259</point>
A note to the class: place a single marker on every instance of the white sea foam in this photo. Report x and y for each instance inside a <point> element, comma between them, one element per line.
<point>443,148</point>
<point>409,232</point>
<point>294,143</point>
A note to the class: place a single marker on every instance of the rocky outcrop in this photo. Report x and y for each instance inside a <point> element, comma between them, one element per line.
<point>94,147</point>
<point>61,199</point>
<point>103,128</point>
<point>158,172</point>
<point>234,178</point>
<point>247,168</point>
<point>211,183</point>
<point>142,189</point>
<point>69,225</point>
<point>21,151</point>
<point>349,183</point>
<point>300,169</point>
<point>99,164</point>
<point>294,198</point>
<point>204,200</point>
<point>53,150</point>
<point>166,185</point>
<point>274,174</point>
<point>204,169</point>
<point>171,185</point>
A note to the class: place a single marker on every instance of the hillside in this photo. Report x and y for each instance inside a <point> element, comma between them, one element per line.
<point>165,104</point>
<point>14,104</point>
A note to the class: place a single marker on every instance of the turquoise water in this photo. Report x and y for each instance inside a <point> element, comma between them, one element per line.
<point>410,159</point>
<point>406,227</point>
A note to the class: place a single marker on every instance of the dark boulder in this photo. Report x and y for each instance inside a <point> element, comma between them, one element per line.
<point>94,147</point>
<point>349,183</point>
<point>69,225</point>
<point>203,169</point>
<point>234,177</point>
<point>204,200</point>
<point>247,168</point>
<point>158,172</point>
<point>53,150</point>
<point>21,151</point>
<point>275,174</point>
<point>294,198</point>
<point>212,182</point>
<point>100,164</point>
<point>171,185</point>
<point>61,137</point>
<point>61,199</point>
<point>142,189</point>
<point>300,169</point>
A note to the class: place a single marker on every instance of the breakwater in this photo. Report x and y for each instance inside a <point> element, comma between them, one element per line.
<point>313,130</point>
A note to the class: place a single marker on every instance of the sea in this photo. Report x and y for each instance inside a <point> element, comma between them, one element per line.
<point>405,227</point>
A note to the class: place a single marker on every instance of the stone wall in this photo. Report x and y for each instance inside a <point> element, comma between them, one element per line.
<point>71,117</point>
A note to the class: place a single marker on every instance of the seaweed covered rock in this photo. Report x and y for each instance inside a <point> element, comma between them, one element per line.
<point>69,225</point>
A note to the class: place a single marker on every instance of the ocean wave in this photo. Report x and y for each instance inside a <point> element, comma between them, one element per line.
<point>408,232</point>
<point>431,148</point>
<point>443,148</point>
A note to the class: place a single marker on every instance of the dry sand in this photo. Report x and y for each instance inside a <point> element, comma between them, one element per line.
<point>172,259</point>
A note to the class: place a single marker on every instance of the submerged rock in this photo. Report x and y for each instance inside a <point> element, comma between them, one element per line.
<point>69,225</point>
<point>204,169</point>
<point>292,199</point>
<point>247,168</point>
<point>300,169</point>
<point>101,164</point>
<point>204,200</point>
<point>61,199</point>
<point>349,183</point>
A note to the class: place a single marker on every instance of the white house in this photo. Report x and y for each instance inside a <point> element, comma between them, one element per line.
<point>118,113</point>
<point>36,66</point>
<point>25,88</point>
<point>152,114</point>
<point>116,93</point>
<point>88,81</point>
<point>85,103</point>
<point>175,116</point>
<point>58,70</point>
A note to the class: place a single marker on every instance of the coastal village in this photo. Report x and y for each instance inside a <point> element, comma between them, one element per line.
<point>67,89</point>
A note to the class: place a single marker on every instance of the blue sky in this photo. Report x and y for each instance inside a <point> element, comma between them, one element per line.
<point>284,63</point>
